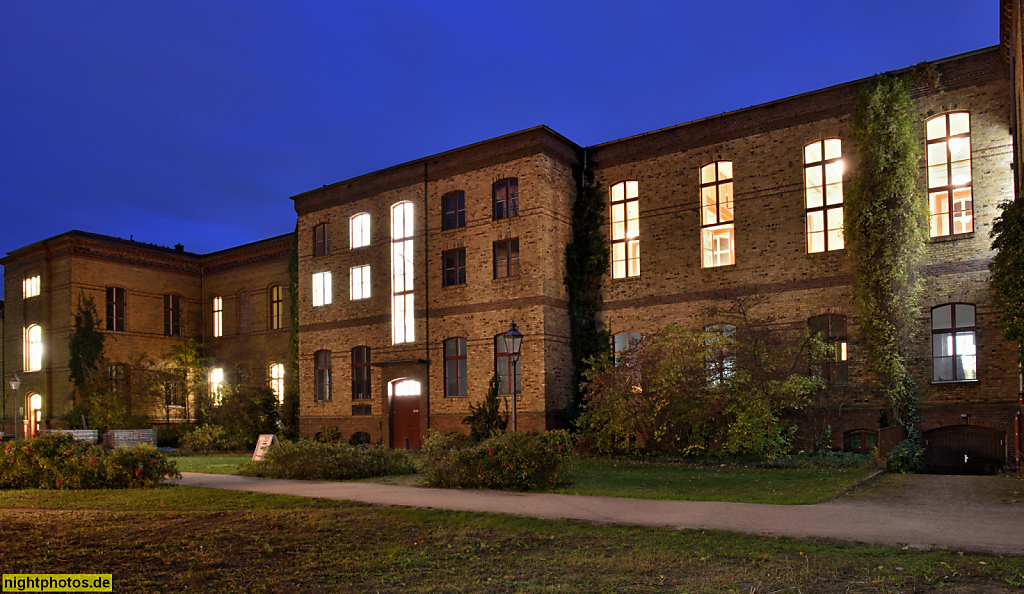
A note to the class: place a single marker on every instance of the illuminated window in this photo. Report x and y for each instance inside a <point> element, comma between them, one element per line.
<point>456,382</point>
<point>402,311</point>
<point>954,353</point>
<point>625,201</point>
<point>33,348</point>
<point>360,282</point>
<point>453,211</point>
<point>831,329</point>
<point>277,381</point>
<point>359,230</point>
<point>950,194</point>
<point>622,342</point>
<point>321,288</point>
<point>503,364</point>
<point>322,376</point>
<point>720,358</point>
<point>30,287</point>
<point>276,307</point>
<point>172,315</point>
<point>506,258</point>
<point>218,316</point>
<point>506,198</point>
<point>823,188</point>
<point>361,373</point>
<point>716,215</point>
<point>454,267</point>
<point>322,239</point>
<point>116,305</point>
<point>217,385</point>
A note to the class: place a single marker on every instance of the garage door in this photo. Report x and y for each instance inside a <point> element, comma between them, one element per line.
<point>964,449</point>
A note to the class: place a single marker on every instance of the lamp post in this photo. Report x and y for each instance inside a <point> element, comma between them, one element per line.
<point>513,342</point>
<point>15,384</point>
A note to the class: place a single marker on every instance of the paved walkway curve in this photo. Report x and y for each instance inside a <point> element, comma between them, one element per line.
<point>947,522</point>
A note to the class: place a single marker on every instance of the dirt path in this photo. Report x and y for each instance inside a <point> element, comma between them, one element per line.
<point>918,511</point>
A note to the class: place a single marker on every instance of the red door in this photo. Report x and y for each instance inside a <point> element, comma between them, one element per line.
<point>405,414</point>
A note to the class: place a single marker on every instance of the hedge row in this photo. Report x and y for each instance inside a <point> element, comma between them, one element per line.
<point>58,461</point>
<point>313,460</point>
<point>511,461</point>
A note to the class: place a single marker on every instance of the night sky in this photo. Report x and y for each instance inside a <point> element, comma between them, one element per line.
<point>194,122</point>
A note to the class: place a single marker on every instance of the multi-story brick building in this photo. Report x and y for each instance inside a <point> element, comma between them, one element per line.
<point>408,277</point>
<point>148,299</point>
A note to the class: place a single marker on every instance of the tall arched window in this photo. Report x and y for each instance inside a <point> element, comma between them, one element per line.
<point>322,239</point>
<point>622,342</point>
<point>402,303</point>
<point>33,348</point>
<point>359,230</point>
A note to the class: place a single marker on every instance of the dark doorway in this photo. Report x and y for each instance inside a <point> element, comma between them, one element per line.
<point>964,449</point>
<point>405,414</point>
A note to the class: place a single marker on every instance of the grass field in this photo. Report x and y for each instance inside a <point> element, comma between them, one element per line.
<point>179,538</point>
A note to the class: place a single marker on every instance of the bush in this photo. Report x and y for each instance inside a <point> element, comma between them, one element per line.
<point>907,456</point>
<point>209,438</point>
<point>328,435</point>
<point>824,459</point>
<point>169,436</point>
<point>359,438</point>
<point>512,461</point>
<point>58,461</point>
<point>313,460</point>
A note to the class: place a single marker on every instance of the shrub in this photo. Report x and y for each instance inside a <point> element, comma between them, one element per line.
<point>169,436</point>
<point>907,456</point>
<point>485,419</point>
<point>58,461</point>
<point>359,438</point>
<point>511,461</point>
<point>823,459</point>
<point>328,435</point>
<point>313,460</point>
<point>209,438</point>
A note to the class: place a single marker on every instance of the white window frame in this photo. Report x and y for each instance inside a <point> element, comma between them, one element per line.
<point>403,327</point>
<point>30,286</point>
<point>359,230</point>
<point>33,348</point>
<point>322,291</point>
<point>218,317</point>
<point>359,282</point>
<point>217,385</point>
<point>277,381</point>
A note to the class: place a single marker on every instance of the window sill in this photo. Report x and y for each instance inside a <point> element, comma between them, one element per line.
<point>953,382</point>
<point>456,395</point>
<point>635,277</point>
<point>945,238</point>
<point>507,278</point>
<point>453,287</point>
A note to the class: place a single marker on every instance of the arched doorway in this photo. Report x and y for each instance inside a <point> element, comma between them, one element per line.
<point>34,418</point>
<point>404,395</point>
<point>964,449</point>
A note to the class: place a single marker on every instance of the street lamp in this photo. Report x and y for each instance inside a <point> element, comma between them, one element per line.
<point>15,384</point>
<point>513,342</point>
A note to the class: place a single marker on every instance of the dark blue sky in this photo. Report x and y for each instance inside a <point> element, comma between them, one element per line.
<point>195,121</point>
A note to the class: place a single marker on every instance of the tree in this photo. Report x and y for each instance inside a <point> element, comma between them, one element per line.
<point>1006,280</point>
<point>485,419</point>
<point>246,412</point>
<point>885,230</point>
<point>85,344</point>
<point>186,367</point>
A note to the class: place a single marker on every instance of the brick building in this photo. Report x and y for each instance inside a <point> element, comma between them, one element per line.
<point>148,299</point>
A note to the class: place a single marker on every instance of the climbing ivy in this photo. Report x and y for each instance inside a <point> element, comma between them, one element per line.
<point>586,258</point>
<point>290,409</point>
<point>885,229</point>
<point>1007,282</point>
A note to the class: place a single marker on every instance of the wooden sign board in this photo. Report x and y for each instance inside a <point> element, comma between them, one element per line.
<point>266,440</point>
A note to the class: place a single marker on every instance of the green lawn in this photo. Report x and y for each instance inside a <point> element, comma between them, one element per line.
<point>653,480</point>
<point>173,539</point>
<point>212,463</point>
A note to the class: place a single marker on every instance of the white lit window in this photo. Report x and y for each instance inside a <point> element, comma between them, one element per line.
<point>625,201</point>
<point>359,230</point>
<point>716,215</point>
<point>950,194</point>
<point>321,288</point>
<point>360,282</point>
<point>823,188</point>
<point>216,384</point>
<point>30,287</point>
<point>954,352</point>
<point>277,381</point>
<point>218,316</point>
<point>402,318</point>
<point>33,348</point>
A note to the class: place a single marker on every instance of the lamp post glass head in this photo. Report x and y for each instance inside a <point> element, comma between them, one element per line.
<point>513,339</point>
<point>15,382</point>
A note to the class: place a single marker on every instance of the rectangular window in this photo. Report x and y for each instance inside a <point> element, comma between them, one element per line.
<point>402,311</point>
<point>453,211</point>
<point>322,239</point>
<point>456,382</point>
<point>506,198</point>
<point>116,306</point>
<point>33,348</point>
<point>30,287</point>
<point>172,315</point>
<point>506,258</point>
<point>217,385</point>
<point>276,307</point>
<point>321,289</point>
<point>831,329</point>
<point>625,203</point>
<point>823,188</point>
<point>360,282</point>
<point>359,230</point>
<point>454,267</point>
<point>172,395</point>
<point>954,352</point>
<point>218,317</point>
<point>716,215</point>
<point>361,373</point>
<point>950,188</point>
<point>503,366</point>
<point>322,376</point>
<point>277,381</point>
